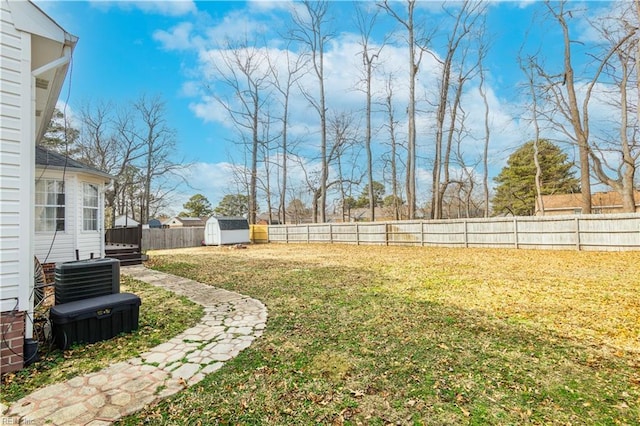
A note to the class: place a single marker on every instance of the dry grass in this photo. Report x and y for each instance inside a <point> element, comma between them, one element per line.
<point>399,335</point>
<point>591,296</point>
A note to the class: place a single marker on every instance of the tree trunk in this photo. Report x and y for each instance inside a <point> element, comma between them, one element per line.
<point>411,143</point>
<point>581,133</point>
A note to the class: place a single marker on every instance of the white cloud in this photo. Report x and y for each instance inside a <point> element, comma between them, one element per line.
<point>178,37</point>
<point>262,6</point>
<point>164,8</point>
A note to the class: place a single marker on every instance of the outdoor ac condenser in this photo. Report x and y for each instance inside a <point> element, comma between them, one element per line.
<point>84,279</point>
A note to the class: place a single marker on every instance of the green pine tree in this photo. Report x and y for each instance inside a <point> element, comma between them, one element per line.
<point>197,206</point>
<point>515,192</point>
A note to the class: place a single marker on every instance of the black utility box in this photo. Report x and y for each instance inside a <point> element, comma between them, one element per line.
<point>82,279</point>
<point>95,319</point>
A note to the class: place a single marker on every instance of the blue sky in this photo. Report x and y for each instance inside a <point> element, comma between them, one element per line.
<point>126,49</point>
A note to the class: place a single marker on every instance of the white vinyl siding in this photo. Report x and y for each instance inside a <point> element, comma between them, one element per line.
<point>50,205</point>
<point>16,162</point>
<point>89,207</point>
<point>75,240</point>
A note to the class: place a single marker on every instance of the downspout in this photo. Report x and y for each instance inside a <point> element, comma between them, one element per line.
<point>55,64</point>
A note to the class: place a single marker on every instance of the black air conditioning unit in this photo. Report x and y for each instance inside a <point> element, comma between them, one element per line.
<point>84,279</point>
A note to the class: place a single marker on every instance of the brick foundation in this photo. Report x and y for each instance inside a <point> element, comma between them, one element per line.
<point>49,291</point>
<point>49,271</point>
<point>11,341</point>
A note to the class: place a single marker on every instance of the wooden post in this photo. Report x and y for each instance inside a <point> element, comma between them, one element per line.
<point>515,231</point>
<point>422,233</point>
<point>577,221</point>
<point>466,233</point>
<point>331,233</point>
<point>386,232</point>
<point>357,234</point>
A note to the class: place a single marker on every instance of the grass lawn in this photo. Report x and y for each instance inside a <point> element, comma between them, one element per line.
<point>162,316</point>
<point>401,335</point>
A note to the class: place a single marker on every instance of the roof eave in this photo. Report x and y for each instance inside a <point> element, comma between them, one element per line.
<point>108,178</point>
<point>52,48</point>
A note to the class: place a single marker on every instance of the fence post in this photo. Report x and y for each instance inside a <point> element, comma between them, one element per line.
<point>422,233</point>
<point>331,233</point>
<point>466,238</point>
<point>357,234</point>
<point>386,232</point>
<point>515,230</point>
<point>577,221</point>
<point>308,236</point>
<point>139,236</point>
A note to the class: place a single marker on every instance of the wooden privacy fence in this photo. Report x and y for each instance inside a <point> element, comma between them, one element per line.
<point>129,236</point>
<point>580,232</point>
<point>167,238</point>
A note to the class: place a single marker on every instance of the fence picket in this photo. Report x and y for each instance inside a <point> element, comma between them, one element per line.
<point>592,232</point>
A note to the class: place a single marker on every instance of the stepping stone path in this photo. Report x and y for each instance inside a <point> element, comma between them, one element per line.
<point>229,325</point>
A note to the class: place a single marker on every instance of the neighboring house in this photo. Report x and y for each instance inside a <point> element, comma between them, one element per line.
<point>362,214</point>
<point>69,209</point>
<point>124,221</point>
<point>184,222</point>
<point>601,202</point>
<point>36,53</point>
<point>263,219</point>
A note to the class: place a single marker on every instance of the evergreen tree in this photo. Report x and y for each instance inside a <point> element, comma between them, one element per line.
<point>232,205</point>
<point>516,191</point>
<point>378,193</point>
<point>60,136</point>
<point>197,206</point>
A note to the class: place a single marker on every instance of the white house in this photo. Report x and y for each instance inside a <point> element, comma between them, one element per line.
<point>124,221</point>
<point>184,222</point>
<point>69,209</point>
<point>36,53</point>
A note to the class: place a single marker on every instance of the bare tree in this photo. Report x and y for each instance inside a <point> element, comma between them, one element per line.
<point>268,161</point>
<point>309,30</point>
<point>529,71</point>
<point>109,143</point>
<point>466,17</point>
<point>417,46</point>
<point>160,166</point>
<point>283,84</point>
<point>396,192</point>
<point>561,91</point>
<point>369,54</point>
<point>244,70</point>
<point>343,138</point>
<point>482,51</point>
<point>621,35</point>
<point>568,105</point>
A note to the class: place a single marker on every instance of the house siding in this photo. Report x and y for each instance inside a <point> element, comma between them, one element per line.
<point>89,243</point>
<point>63,247</point>
<point>16,188</point>
<point>16,162</point>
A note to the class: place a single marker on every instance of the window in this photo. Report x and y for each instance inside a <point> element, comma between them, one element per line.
<point>49,205</point>
<point>90,207</point>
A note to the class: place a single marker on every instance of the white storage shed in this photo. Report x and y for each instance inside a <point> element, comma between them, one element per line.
<point>226,230</point>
